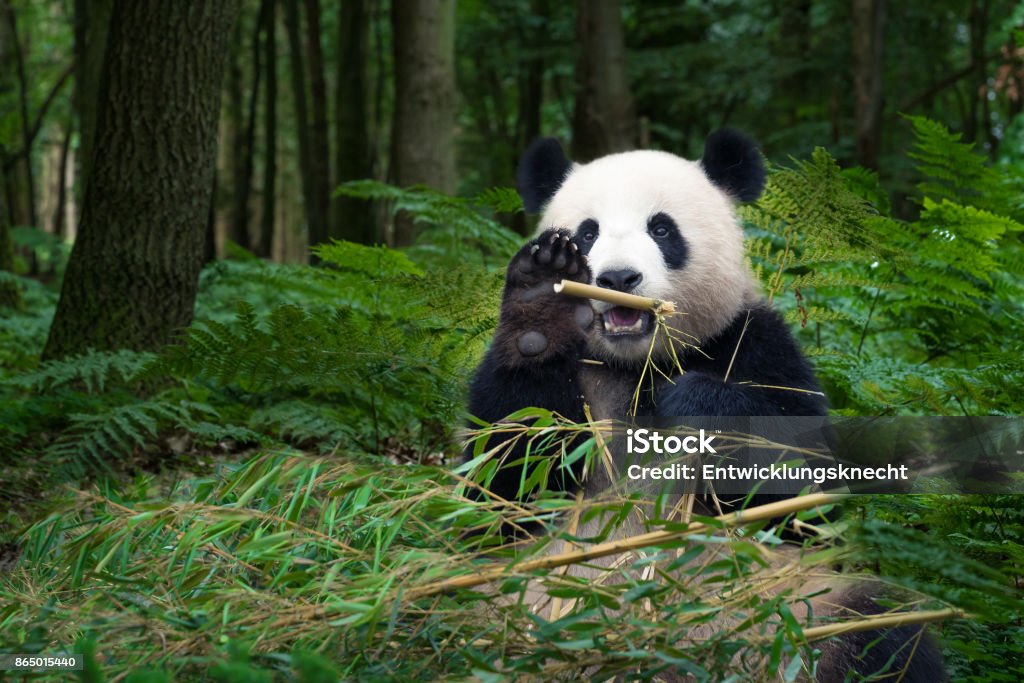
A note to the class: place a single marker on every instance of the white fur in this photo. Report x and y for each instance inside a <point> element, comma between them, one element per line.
<point>621,192</point>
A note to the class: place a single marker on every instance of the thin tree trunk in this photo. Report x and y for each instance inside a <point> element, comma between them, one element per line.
<point>236,134</point>
<point>792,46</point>
<point>980,121</point>
<point>423,127</point>
<point>319,150</point>
<point>60,210</point>
<point>531,98</point>
<point>270,134</point>
<point>10,296</point>
<point>316,221</point>
<point>241,214</point>
<point>92,19</point>
<point>354,218</point>
<point>868,78</point>
<point>26,135</point>
<point>132,276</point>
<point>604,120</point>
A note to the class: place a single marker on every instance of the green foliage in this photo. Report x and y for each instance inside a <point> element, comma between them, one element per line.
<point>286,565</point>
<point>903,316</point>
<point>248,572</point>
<point>454,228</point>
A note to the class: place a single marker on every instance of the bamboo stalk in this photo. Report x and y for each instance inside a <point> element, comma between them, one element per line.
<point>643,303</point>
<point>756,514</point>
<point>880,621</point>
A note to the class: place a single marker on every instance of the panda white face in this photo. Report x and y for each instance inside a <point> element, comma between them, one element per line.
<point>654,224</point>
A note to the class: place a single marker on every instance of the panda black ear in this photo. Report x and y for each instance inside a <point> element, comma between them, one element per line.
<point>542,170</point>
<point>733,163</point>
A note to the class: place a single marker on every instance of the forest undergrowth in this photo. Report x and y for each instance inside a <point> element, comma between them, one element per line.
<point>272,496</point>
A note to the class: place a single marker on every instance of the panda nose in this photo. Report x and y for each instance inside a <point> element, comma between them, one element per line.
<point>621,280</point>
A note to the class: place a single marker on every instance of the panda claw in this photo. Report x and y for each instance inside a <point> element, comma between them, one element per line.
<point>534,249</point>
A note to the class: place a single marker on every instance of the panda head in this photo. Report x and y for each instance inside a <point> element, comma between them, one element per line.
<point>656,225</point>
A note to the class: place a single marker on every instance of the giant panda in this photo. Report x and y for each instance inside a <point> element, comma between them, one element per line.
<point>654,224</point>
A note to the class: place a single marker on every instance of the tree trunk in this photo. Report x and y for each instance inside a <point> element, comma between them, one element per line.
<point>19,185</point>
<point>92,18</point>
<point>423,127</point>
<point>132,276</point>
<point>979,123</point>
<point>266,243</point>
<point>792,49</point>
<point>10,296</point>
<point>868,78</point>
<point>241,214</point>
<point>235,133</point>
<point>60,209</point>
<point>354,218</point>
<point>316,221</point>
<point>604,120</point>
<point>319,145</point>
<point>531,99</point>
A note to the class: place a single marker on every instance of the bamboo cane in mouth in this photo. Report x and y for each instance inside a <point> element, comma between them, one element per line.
<point>643,303</point>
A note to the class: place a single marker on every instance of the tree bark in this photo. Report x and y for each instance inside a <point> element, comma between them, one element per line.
<point>10,295</point>
<point>423,126</point>
<point>92,18</point>
<point>19,185</point>
<point>266,243</point>
<point>240,228</point>
<point>354,218</point>
<point>868,78</point>
<point>319,145</point>
<point>604,120</point>
<point>316,222</point>
<point>60,209</point>
<point>132,276</point>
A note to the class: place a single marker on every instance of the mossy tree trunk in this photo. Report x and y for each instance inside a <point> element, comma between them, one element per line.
<point>132,276</point>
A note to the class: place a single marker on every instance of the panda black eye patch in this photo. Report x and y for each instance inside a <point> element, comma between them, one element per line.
<point>665,233</point>
<point>586,235</point>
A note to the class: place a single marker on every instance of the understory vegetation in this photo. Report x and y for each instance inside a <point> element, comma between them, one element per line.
<point>273,495</point>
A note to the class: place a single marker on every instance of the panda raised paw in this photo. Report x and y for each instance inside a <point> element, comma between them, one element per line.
<point>551,257</point>
<point>537,324</point>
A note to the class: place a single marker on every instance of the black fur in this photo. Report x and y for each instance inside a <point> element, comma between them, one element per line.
<point>767,355</point>
<point>508,380</point>
<point>665,233</point>
<point>541,172</point>
<point>905,653</point>
<point>733,162</point>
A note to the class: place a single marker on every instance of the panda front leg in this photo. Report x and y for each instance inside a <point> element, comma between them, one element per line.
<point>534,357</point>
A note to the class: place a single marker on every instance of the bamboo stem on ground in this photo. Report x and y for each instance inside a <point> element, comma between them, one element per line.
<point>643,303</point>
<point>879,621</point>
<point>756,514</point>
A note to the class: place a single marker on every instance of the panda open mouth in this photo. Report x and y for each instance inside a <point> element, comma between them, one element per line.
<point>625,321</point>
